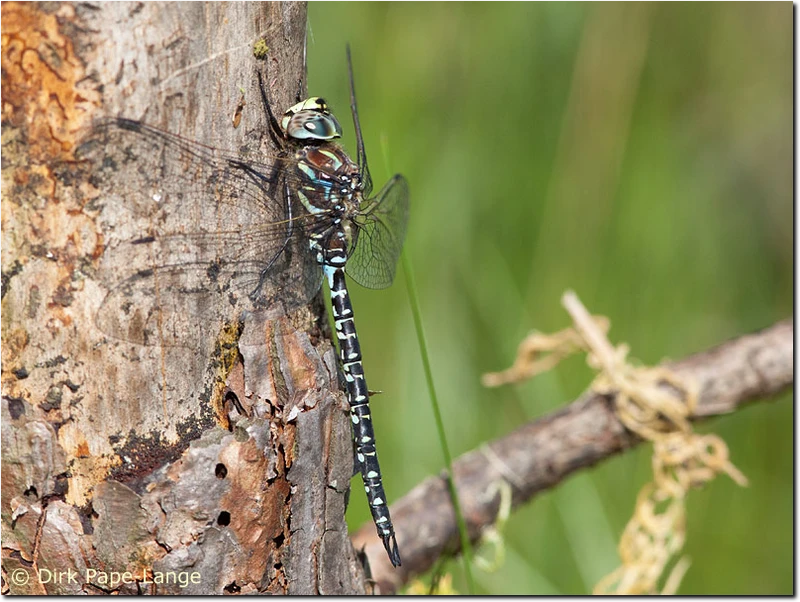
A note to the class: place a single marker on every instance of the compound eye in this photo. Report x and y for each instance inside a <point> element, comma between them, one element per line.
<point>312,125</point>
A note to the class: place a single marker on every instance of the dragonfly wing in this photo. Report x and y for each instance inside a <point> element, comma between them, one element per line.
<point>381,233</point>
<point>198,235</point>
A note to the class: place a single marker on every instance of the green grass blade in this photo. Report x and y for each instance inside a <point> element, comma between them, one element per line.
<point>423,348</point>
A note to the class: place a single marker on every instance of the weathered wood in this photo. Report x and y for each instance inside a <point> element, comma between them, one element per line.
<point>123,457</point>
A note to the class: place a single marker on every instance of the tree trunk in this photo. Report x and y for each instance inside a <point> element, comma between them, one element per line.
<point>126,467</point>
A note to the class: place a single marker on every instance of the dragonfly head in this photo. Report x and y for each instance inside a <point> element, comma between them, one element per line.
<point>310,119</point>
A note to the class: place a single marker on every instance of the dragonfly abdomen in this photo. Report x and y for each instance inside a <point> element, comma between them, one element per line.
<point>358,399</point>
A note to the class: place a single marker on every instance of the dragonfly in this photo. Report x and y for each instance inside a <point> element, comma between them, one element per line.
<point>310,214</point>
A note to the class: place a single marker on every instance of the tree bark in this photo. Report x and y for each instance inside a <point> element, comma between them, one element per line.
<point>126,468</point>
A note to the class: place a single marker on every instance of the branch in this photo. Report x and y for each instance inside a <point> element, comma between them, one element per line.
<point>540,454</point>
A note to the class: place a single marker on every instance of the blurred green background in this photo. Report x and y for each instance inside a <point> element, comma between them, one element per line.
<point>640,154</point>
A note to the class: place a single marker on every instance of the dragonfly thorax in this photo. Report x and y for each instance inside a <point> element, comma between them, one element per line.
<point>333,181</point>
